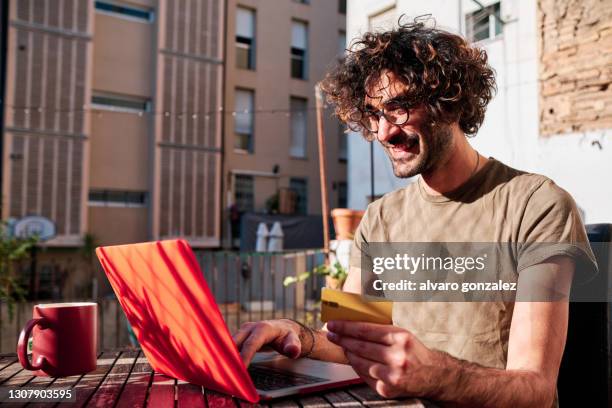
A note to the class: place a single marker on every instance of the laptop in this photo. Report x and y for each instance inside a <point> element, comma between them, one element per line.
<point>183,335</point>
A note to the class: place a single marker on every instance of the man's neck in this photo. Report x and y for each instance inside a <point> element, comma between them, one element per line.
<point>462,163</point>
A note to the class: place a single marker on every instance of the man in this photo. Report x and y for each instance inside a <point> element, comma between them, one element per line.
<point>419,91</point>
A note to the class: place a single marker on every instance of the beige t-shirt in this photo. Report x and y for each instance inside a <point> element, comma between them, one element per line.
<point>497,204</point>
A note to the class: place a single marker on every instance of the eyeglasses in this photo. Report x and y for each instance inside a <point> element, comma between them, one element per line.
<point>369,119</point>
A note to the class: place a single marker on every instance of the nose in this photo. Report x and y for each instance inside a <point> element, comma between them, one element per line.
<point>386,130</point>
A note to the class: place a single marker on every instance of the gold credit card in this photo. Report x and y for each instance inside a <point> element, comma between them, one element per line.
<point>339,305</point>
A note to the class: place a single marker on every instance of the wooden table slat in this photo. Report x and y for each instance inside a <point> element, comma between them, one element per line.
<point>244,404</point>
<point>20,379</point>
<point>189,395</point>
<point>218,400</point>
<point>125,379</point>
<point>314,402</point>
<point>370,398</point>
<point>85,385</point>
<point>46,382</point>
<point>136,387</point>
<point>284,403</point>
<point>9,371</point>
<point>343,399</point>
<point>6,361</point>
<point>161,393</point>
<point>112,385</point>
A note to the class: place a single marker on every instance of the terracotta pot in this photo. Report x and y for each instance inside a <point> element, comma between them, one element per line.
<point>346,222</point>
<point>333,283</point>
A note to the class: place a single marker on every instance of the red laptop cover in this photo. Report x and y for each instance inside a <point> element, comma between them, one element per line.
<point>174,315</point>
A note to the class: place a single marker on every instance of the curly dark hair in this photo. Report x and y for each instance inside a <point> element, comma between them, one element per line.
<point>440,70</point>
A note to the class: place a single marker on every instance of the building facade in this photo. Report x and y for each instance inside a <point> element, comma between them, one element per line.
<point>112,123</point>
<point>149,119</point>
<point>276,53</point>
<point>552,111</point>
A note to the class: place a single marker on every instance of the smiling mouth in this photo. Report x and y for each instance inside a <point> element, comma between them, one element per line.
<point>408,145</point>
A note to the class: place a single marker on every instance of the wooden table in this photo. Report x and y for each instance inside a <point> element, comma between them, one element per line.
<point>124,378</point>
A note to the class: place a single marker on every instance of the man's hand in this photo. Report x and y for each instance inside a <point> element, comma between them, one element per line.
<point>282,335</point>
<point>390,360</point>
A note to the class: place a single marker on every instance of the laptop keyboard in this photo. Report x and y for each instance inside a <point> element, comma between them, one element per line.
<point>269,379</point>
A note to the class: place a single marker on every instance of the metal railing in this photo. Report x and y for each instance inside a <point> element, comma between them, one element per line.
<point>246,286</point>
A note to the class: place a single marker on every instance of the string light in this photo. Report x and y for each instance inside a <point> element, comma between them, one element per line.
<point>180,115</point>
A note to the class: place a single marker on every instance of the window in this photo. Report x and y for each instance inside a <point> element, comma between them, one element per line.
<point>300,186</point>
<point>120,103</point>
<point>484,23</point>
<point>121,10</point>
<point>342,143</point>
<point>243,120</point>
<point>243,193</point>
<point>342,195</point>
<point>342,6</point>
<point>299,129</point>
<point>299,48</point>
<point>341,43</point>
<point>117,198</point>
<point>245,38</point>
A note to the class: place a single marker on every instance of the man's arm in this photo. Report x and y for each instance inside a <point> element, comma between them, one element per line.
<point>395,363</point>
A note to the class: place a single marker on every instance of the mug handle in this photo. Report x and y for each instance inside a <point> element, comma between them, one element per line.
<point>22,346</point>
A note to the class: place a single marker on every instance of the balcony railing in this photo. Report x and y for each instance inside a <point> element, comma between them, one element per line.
<point>247,287</point>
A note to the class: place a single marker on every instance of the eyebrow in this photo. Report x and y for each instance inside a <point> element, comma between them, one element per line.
<point>397,98</point>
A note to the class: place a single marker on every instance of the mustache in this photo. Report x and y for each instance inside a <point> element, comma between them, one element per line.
<point>402,139</point>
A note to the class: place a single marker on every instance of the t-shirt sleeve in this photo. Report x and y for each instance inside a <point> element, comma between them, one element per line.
<point>360,240</point>
<point>360,255</point>
<point>551,226</point>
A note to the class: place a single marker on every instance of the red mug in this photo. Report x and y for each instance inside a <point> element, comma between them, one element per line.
<point>64,339</point>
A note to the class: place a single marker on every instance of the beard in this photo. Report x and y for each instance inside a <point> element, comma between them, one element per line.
<point>419,153</point>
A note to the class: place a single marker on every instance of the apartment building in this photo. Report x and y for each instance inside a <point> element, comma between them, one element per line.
<point>147,119</point>
<point>112,119</point>
<point>276,53</point>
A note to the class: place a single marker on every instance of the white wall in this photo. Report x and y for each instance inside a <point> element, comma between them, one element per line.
<point>580,163</point>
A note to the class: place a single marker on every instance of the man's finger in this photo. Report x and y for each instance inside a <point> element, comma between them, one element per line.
<point>291,345</point>
<point>367,349</point>
<point>378,333</point>
<point>364,366</point>
<point>364,375</point>
<point>258,337</point>
<point>241,336</point>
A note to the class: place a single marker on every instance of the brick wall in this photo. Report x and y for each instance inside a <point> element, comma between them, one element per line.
<point>575,65</point>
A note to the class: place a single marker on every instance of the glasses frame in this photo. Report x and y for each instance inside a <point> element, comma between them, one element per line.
<point>363,116</point>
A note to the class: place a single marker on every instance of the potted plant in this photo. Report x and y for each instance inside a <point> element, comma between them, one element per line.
<point>346,222</point>
<point>335,275</point>
<point>12,250</point>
